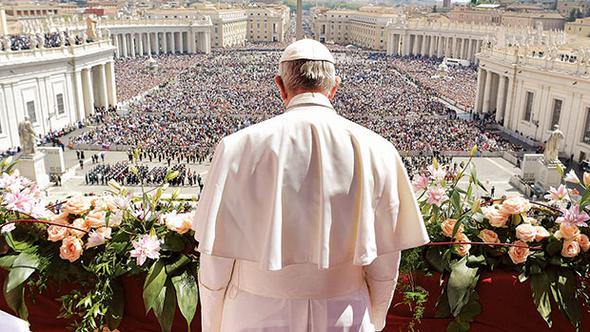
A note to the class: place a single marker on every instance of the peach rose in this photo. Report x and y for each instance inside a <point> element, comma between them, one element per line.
<point>77,205</point>
<point>515,205</point>
<point>462,249</point>
<point>526,232</point>
<point>531,220</point>
<point>179,223</point>
<point>584,242</point>
<point>79,224</point>
<point>519,254</point>
<point>495,217</point>
<point>105,203</point>
<point>542,233</point>
<point>489,236</point>
<point>568,231</point>
<point>71,249</point>
<point>586,179</point>
<point>95,219</point>
<point>61,218</point>
<point>56,233</point>
<point>448,226</point>
<point>571,248</point>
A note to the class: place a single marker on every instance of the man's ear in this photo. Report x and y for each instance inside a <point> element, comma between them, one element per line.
<point>281,86</point>
<point>335,88</point>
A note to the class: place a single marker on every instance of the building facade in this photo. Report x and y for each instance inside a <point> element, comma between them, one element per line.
<point>267,23</point>
<point>532,88</point>
<point>495,15</point>
<point>580,27</point>
<point>54,87</point>
<point>365,27</point>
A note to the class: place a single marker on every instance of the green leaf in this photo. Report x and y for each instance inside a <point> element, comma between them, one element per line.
<point>585,200</point>
<point>442,306</point>
<point>461,281</point>
<point>173,242</point>
<point>16,300</point>
<point>154,282</point>
<point>17,246</point>
<point>540,286</point>
<point>187,295</point>
<point>458,326</point>
<point>567,299</point>
<point>456,201</point>
<point>165,306</point>
<point>180,262</point>
<point>24,265</point>
<point>117,305</point>
<point>434,258</point>
<point>554,246</point>
<point>7,261</point>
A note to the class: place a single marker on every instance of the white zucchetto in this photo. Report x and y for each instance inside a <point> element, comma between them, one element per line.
<point>307,49</point>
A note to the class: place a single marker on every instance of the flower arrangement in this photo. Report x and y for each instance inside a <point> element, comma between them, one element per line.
<point>94,241</point>
<point>545,242</point>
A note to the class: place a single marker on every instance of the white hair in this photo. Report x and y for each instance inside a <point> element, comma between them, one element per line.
<point>308,74</point>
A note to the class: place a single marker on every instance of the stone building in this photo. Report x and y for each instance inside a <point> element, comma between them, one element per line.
<point>530,86</point>
<point>580,27</point>
<point>267,23</point>
<point>54,86</point>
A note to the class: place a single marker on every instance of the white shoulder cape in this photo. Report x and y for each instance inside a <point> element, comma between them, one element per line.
<point>307,186</point>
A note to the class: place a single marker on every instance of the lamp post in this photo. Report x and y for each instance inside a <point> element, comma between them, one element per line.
<point>299,20</point>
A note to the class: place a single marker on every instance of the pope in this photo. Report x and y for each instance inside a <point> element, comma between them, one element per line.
<point>303,216</point>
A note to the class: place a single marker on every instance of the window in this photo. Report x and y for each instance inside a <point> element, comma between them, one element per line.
<point>528,111</point>
<point>31,111</point>
<point>586,137</point>
<point>557,103</point>
<point>59,103</point>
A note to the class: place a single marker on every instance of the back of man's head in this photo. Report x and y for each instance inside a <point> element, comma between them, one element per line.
<point>307,65</point>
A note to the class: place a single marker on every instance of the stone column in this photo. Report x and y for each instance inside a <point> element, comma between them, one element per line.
<point>116,42</point>
<point>133,51</point>
<point>165,42</point>
<point>173,43</point>
<point>148,44</point>
<point>111,83</point>
<point>157,42</point>
<point>207,42</point>
<point>78,94</point>
<point>102,86</point>
<point>486,93</point>
<point>181,42</point>
<point>508,109</point>
<point>88,91</point>
<point>124,44</point>
<point>478,95</point>
<point>500,101</point>
<point>140,43</point>
<point>424,46</point>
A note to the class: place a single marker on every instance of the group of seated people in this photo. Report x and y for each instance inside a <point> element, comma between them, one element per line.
<point>123,173</point>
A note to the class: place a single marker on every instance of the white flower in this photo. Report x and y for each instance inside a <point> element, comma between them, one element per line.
<point>148,246</point>
<point>7,228</point>
<point>98,237</point>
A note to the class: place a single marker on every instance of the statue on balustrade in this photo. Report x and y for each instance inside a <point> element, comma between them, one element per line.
<point>91,28</point>
<point>551,153</point>
<point>28,137</point>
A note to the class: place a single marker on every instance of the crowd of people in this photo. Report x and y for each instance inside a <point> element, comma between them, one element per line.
<point>129,174</point>
<point>459,85</point>
<point>135,76</point>
<point>199,99</point>
<point>32,41</point>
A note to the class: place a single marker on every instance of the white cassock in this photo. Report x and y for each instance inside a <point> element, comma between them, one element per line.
<point>301,224</point>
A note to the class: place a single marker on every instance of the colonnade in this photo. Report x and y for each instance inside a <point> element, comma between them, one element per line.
<point>424,44</point>
<point>492,92</point>
<point>95,87</point>
<point>131,44</point>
